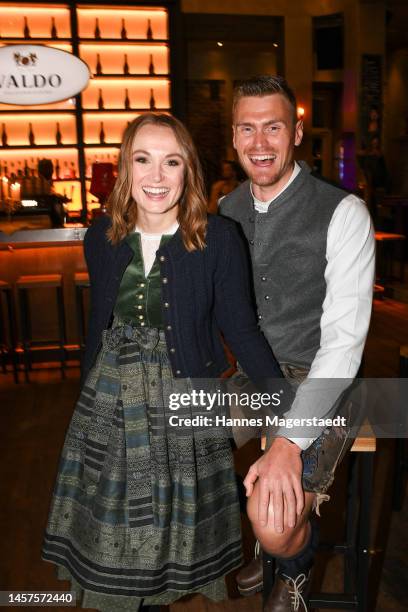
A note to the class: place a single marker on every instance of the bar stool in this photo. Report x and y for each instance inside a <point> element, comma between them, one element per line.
<point>81,281</point>
<point>8,347</point>
<point>356,545</point>
<point>40,281</point>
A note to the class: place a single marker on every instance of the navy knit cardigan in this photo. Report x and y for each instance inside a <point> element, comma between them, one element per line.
<point>203,292</point>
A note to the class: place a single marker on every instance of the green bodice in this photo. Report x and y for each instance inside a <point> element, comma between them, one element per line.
<point>139,297</point>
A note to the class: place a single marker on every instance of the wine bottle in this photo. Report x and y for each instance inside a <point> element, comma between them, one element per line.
<point>123,33</point>
<point>151,65</point>
<point>127,100</point>
<point>57,169</point>
<point>100,100</point>
<point>152,101</point>
<point>73,170</point>
<point>67,172</point>
<point>31,138</point>
<point>58,135</point>
<point>26,29</point>
<point>3,135</point>
<point>98,64</point>
<point>125,64</point>
<point>97,32</point>
<point>149,32</point>
<point>102,134</point>
<point>26,169</point>
<point>54,33</point>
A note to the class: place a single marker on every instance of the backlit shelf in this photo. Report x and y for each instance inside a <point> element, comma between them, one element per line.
<point>123,76</point>
<point>28,111</point>
<point>106,145</point>
<point>40,145</point>
<point>67,180</point>
<point>34,41</point>
<point>91,111</point>
<point>120,42</point>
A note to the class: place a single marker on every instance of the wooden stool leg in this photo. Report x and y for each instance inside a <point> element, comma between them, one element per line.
<point>80,319</point>
<point>62,327</point>
<point>13,335</point>
<point>268,575</point>
<point>3,339</point>
<point>363,567</point>
<point>25,330</point>
<point>350,561</point>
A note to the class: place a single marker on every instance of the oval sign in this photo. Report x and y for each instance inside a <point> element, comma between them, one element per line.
<point>37,74</point>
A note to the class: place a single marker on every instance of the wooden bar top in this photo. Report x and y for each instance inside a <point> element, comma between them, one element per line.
<point>362,444</point>
<point>65,236</point>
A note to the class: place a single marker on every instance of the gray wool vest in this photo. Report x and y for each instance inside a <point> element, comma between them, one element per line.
<point>288,252</point>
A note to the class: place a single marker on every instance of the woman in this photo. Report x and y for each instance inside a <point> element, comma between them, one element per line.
<point>144,513</point>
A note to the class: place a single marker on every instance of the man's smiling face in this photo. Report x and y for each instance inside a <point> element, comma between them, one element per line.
<point>265,133</point>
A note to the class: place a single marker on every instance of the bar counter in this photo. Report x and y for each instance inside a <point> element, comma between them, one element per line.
<point>45,251</point>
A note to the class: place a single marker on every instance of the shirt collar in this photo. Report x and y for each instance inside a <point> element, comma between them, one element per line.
<point>170,231</point>
<point>261,206</point>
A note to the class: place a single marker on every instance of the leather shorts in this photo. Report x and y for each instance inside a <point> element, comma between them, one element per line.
<point>325,453</point>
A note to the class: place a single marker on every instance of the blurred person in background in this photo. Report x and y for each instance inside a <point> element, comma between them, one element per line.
<point>228,182</point>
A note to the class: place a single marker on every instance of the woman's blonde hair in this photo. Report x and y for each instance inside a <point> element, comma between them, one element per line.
<point>192,215</point>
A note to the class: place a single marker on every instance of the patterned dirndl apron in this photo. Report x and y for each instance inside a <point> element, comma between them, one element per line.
<point>141,512</point>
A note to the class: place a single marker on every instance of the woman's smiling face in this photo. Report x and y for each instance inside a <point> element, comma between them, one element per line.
<point>158,170</point>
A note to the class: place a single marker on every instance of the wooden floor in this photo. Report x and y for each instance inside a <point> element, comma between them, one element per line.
<point>34,418</point>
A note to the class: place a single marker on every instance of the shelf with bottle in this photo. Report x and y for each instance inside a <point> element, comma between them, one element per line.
<point>126,60</point>
<point>60,42</point>
<point>24,21</point>
<point>17,178</point>
<point>65,162</point>
<point>131,76</point>
<point>17,110</point>
<point>121,111</point>
<point>130,23</point>
<point>106,127</point>
<point>140,93</point>
<point>57,129</point>
<point>162,42</point>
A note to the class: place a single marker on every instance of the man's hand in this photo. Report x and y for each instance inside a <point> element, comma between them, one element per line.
<point>280,491</point>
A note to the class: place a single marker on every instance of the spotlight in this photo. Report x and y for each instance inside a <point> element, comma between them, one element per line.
<point>220,44</point>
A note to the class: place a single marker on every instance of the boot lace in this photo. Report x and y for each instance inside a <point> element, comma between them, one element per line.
<point>296,594</point>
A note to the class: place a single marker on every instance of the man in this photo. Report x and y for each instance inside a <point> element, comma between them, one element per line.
<point>312,251</point>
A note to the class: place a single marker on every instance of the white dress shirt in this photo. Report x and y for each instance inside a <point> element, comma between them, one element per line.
<point>349,275</point>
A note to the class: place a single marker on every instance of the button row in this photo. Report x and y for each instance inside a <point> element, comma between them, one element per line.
<point>166,305</point>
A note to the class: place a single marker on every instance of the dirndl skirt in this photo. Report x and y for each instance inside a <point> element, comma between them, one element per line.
<point>141,512</point>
